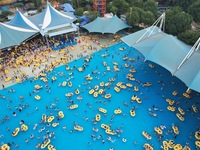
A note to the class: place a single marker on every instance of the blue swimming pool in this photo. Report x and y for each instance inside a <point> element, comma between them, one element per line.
<point>152,112</point>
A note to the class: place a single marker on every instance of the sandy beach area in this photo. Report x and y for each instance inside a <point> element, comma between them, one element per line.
<point>69,53</point>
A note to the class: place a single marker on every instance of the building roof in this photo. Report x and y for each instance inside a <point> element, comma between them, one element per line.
<point>106,25</point>
<point>11,35</point>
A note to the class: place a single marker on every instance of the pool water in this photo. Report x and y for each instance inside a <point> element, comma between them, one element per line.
<point>127,127</point>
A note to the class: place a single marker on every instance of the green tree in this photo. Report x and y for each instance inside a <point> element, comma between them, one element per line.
<point>184,4</point>
<point>111,8</point>
<point>194,10</point>
<point>137,3</point>
<point>151,6</point>
<point>149,18</point>
<point>190,37</point>
<point>132,17</point>
<point>79,11</point>
<point>121,6</point>
<point>177,21</point>
<point>4,15</point>
<point>141,14</point>
<point>93,15</point>
<point>20,4</point>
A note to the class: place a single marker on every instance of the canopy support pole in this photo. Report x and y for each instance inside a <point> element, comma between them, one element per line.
<point>160,20</point>
<point>194,48</point>
<point>47,41</point>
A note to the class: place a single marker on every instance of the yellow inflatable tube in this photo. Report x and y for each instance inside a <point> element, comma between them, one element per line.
<point>45,143</point>
<point>15,132</point>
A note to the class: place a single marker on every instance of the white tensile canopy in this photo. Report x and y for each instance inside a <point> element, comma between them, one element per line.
<point>168,51</point>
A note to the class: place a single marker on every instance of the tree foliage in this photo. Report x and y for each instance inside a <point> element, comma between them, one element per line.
<point>118,7</point>
<point>20,4</point>
<point>194,10</point>
<point>190,37</point>
<point>151,6</point>
<point>92,15</point>
<point>4,15</point>
<point>79,11</point>
<point>111,8</point>
<point>132,17</point>
<point>177,21</point>
<point>184,4</point>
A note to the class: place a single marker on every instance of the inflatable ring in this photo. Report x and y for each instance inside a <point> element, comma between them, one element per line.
<point>165,145</point>
<point>194,108</point>
<point>91,91</point>
<point>122,86</point>
<point>148,146</point>
<point>95,94</point>
<point>78,128</point>
<point>108,68</point>
<point>186,95</point>
<point>197,143</point>
<point>181,111</point>
<point>158,130</point>
<point>180,117</point>
<point>45,143</point>
<point>77,91</point>
<point>69,83</point>
<point>54,78</point>
<point>107,96</point>
<point>104,126</point>
<point>61,114</point>
<point>69,94</point>
<point>64,83</point>
<point>98,117</point>
<point>119,84</point>
<point>171,143</point>
<point>117,89</point>
<point>73,106</point>
<point>118,111</point>
<point>55,124</point>
<point>50,119</point>
<point>178,147</point>
<point>80,69</point>
<point>132,70</point>
<point>51,147</point>
<point>134,97</point>
<point>136,88</point>
<point>24,127</point>
<point>171,108</point>
<point>96,87</point>
<point>5,147</point>
<point>37,97</point>
<point>102,110</point>
<point>174,93</point>
<point>175,129</point>
<point>44,118</point>
<point>139,101</point>
<point>126,65</point>
<point>8,79</point>
<point>129,85</point>
<point>146,135</point>
<point>132,112</point>
<point>100,91</point>
<point>37,87</point>
<point>104,63</point>
<point>108,131</point>
<point>101,83</point>
<point>15,132</point>
<point>197,135</point>
<point>18,80</point>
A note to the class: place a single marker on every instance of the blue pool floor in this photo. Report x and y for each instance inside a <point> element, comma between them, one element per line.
<point>152,112</point>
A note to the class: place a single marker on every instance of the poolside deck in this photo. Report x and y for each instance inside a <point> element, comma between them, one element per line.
<point>76,51</point>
